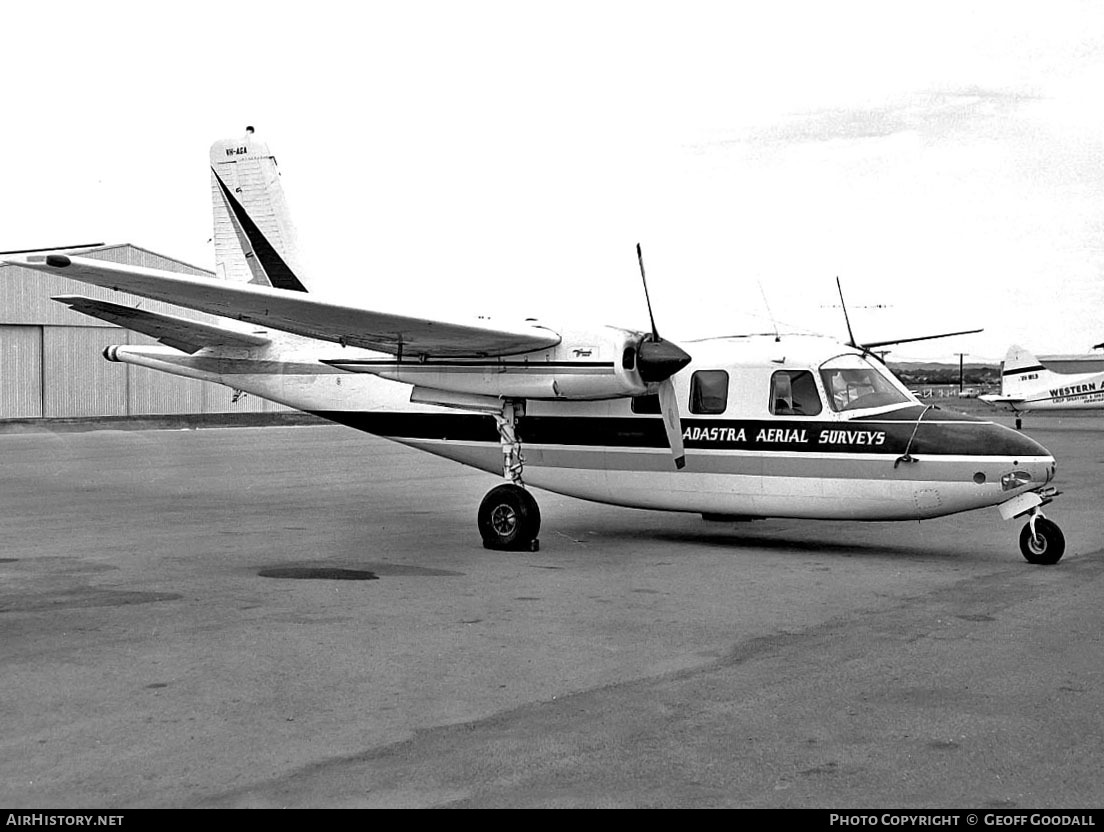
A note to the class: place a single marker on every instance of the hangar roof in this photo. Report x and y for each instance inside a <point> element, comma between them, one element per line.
<point>25,294</point>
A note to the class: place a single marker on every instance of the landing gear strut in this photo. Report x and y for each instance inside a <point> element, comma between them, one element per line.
<point>509,518</point>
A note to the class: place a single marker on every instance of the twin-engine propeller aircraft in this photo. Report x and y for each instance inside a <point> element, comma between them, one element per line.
<point>733,428</point>
<point>1027,385</point>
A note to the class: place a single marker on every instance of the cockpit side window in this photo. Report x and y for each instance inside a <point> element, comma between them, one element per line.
<point>794,393</point>
<point>709,391</point>
<point>853,384</point>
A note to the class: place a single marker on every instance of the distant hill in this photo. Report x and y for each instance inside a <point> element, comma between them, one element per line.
<point>915,373</point>
<point>906,366</point>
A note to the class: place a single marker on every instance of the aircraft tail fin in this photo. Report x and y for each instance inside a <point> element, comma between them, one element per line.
<point>1021,372</point>
<point>254,237</point>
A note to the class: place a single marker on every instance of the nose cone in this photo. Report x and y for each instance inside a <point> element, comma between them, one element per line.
<point>1027,465</point>
<point>1002,451</point>
<point>957,433</point>
<point>659,360</point>
<point>1029,455</point>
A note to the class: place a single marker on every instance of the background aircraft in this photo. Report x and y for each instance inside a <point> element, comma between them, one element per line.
<point>1027,385</point>
<point>734,428</point>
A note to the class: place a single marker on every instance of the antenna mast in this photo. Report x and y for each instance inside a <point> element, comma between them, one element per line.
<point>770,314</point>
<point>846,318</point>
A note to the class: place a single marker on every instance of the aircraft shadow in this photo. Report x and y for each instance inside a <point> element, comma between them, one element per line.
<point>775,542</point>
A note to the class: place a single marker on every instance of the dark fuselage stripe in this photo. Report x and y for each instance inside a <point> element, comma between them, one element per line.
<point>1038,368</point>
<point>1068,398</point>
<point>792,436</point>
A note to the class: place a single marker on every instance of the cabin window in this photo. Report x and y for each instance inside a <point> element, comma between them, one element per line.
<point>646,405</point>
<point>709,391</point>
<point>852,384</point>
<point>794,393</point>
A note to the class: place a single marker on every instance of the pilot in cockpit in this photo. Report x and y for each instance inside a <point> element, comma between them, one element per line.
<point>838,389</point>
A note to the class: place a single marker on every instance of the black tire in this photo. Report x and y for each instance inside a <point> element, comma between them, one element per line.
<point>1046,546</point>
<point>509,519</point>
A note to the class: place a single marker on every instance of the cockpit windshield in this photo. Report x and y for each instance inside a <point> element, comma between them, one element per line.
<point>852,383</point>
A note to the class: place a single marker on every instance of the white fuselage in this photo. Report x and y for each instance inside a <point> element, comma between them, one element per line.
<point>900,461</point>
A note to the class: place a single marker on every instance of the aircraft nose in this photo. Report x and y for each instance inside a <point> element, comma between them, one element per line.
<point>1030,456</point>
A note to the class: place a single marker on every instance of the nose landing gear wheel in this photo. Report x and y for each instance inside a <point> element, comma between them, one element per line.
<point>1046,546</point>
<point>509,519</point>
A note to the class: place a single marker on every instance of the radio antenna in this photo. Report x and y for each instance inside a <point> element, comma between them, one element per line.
<point>846,318</point>
<point>770,314</point>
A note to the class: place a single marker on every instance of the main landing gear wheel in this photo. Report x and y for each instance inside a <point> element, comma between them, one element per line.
<point>1046,546</point>
<point>509,519</point>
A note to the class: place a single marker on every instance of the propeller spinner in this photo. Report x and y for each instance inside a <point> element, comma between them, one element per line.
<point>657,361</point>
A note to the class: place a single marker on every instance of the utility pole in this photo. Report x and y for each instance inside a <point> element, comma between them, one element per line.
<point>960,373</point>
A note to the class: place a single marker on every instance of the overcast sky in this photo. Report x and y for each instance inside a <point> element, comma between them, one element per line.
<point>944,159</point>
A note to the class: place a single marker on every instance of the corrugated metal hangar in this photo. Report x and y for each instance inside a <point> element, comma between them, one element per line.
<point>51,358</point>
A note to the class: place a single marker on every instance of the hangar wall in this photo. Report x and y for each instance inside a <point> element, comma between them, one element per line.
<point>51,358</point>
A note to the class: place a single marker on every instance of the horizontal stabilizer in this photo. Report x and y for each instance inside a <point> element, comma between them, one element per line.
<point>1011,401</point>
<point>304,314</point>
<point>170,330</point>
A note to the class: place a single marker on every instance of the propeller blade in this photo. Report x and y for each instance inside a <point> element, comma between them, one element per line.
<point>657,360</point>
<point>668,406</point>
<point>872,344</point>
<point>648,300</point>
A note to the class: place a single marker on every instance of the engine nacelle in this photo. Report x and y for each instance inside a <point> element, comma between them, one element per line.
<point>585,365</point>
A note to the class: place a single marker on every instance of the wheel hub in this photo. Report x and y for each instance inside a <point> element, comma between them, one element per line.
<point>504,520</point>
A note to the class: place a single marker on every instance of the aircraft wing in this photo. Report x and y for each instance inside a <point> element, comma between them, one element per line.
<point>180,333</point>
<point>301,313</point>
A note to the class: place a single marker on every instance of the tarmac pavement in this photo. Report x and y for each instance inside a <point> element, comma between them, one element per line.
<point>305,617</point>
